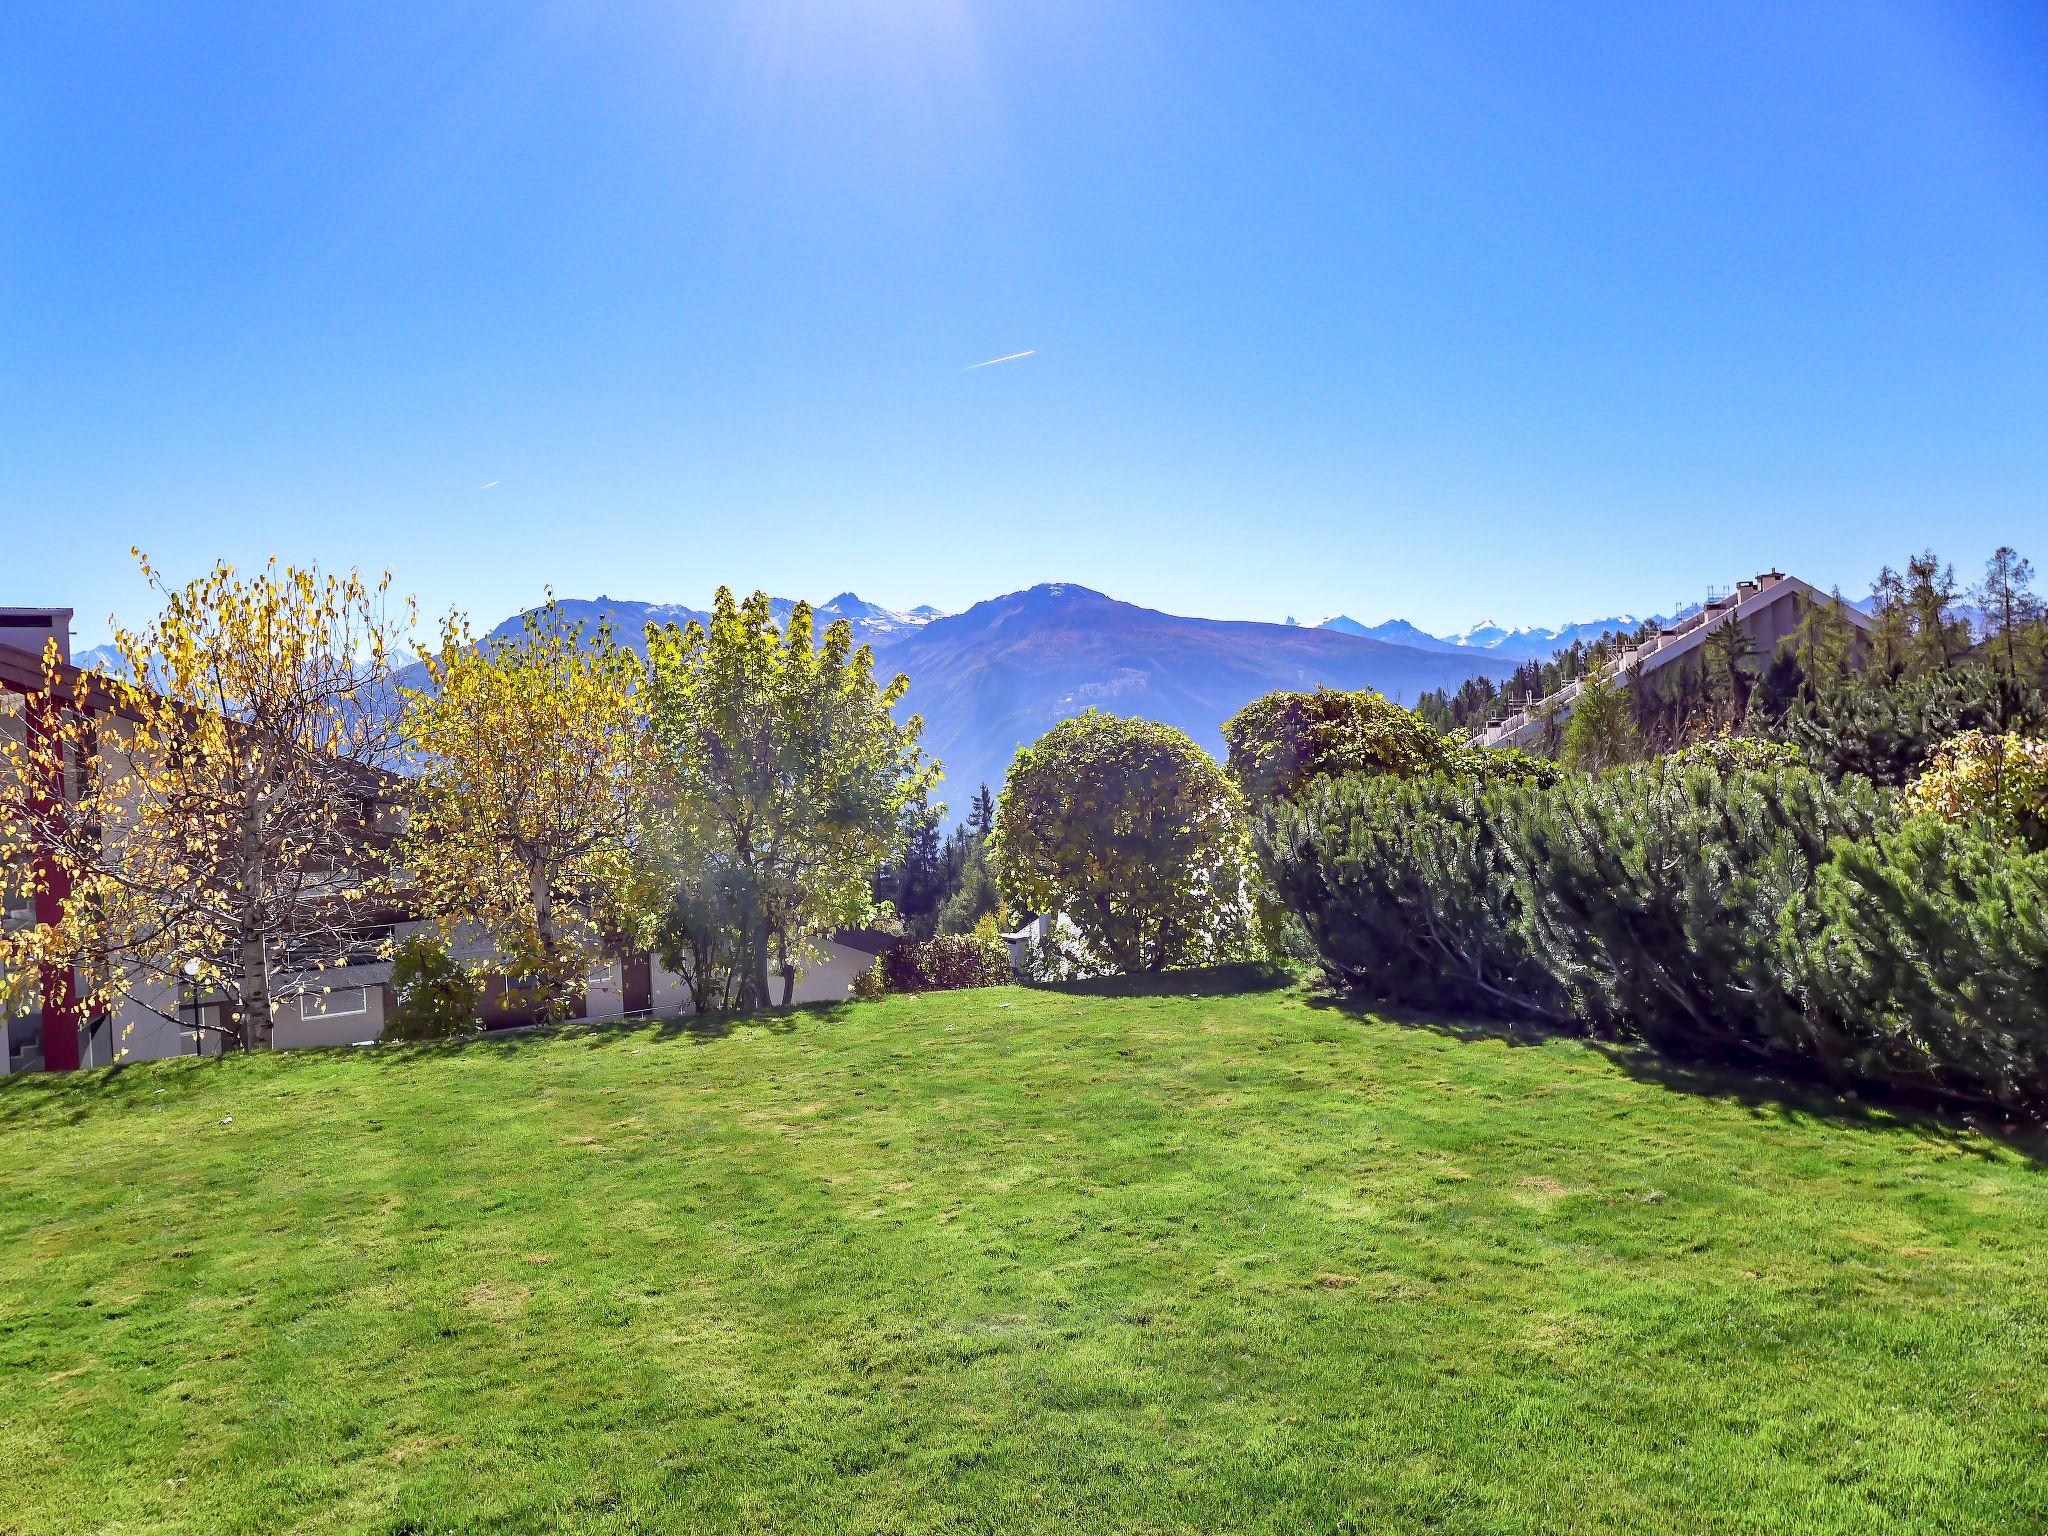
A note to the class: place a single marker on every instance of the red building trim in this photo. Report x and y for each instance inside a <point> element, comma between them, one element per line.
<point>59,985</point>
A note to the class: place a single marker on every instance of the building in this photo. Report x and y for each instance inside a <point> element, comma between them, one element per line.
<point>338,1005</point>
<point>1769,608</point>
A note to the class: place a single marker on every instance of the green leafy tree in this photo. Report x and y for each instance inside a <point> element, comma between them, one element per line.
<point>783,756</point>
<point>703,930</point>
<point>1132,832</point>
<point>434,997</point>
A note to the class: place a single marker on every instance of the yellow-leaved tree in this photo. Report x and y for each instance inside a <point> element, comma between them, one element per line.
<point>206,819</point>
<point>524,807</point>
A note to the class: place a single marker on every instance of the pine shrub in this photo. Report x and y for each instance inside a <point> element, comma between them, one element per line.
<point>1651,896</point>
<point>1922,959</point>
<point>1406,889</point>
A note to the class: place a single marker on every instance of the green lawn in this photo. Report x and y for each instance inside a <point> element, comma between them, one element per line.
<point>1007,1260</point>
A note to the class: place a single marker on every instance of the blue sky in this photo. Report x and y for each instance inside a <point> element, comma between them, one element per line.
<point>1439,310</point>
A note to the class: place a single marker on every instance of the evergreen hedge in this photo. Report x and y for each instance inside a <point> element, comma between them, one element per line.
<point>1719,907</point>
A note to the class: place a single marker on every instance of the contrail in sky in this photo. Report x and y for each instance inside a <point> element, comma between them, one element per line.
<point>486,487</point>
<point>994,360</point>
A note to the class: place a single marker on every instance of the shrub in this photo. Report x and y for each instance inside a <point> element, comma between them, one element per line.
<point>1505,765</point>
<point>1999,780</point>
<point>1406,890</point>
<point>1132,832</point>
<point>1651,897</point>
<point>1884,729</point>
<point>941,964</point>
<point>1727,753</point>
<point>436,999</point>
<point>1922,959</point>
<point>1283,742</point>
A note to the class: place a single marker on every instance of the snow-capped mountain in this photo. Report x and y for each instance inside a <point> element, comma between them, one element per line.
<point>1529,642</point>
<point>872,618</point>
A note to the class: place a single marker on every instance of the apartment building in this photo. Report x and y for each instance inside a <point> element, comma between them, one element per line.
<point>1769,608</point>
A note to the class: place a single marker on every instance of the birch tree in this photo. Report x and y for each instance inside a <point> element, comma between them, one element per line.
<point>205,818</point>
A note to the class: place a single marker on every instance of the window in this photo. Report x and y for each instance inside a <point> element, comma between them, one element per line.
<point>338,1003</point>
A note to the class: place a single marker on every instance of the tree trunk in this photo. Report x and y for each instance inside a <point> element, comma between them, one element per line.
<point>552,1005</point>
<point>757,966</point>
<point>254,999</point>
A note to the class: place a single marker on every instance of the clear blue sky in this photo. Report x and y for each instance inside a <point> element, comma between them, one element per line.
<point>1439,310</point>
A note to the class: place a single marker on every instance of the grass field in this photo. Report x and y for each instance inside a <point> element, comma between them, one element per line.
<point>1007,1260</point>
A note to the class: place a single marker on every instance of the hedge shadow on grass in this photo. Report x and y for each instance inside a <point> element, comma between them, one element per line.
<point>1767,1096</point>
<point>1213,981</point>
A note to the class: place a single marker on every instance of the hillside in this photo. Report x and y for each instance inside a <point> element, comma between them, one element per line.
<point>1013,1260</point>
<point>996,677</point>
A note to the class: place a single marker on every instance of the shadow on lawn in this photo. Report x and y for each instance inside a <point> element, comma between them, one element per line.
<point>1216,981</point>
<point>1766,1096</point>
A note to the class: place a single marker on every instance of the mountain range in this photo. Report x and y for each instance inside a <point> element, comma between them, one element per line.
<point>997,676</point>
<point>1529,643</point>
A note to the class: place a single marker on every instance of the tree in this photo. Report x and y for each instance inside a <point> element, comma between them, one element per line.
<point>525,804</point>
<point>1601,731</point>
<point>2009,604</point>
<point>1938,636</point>
<point>921,878</point>
<point>1729,653</point>
<point>1283,742</point>
<point>1890,621</point>
<point>975,895</point>
<point>220,833</point>
<point>981,817</point>
<point>701,936</point>
<point>784,757</point>
<point>1132,832</point>
<point>1825,643</point>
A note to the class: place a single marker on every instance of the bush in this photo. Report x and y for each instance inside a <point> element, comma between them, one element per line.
<point>1884,729</point>
<point>1283,742</point>
<point>1743,915</point>
<point>1651,898</point>
<point>1405,889</point>
<point>1130,831</point>
<point>942,964</point>
<point>2001,781</point>
<point>1727,753</point>
<point>1922,959</point>
<point>436,999</point>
